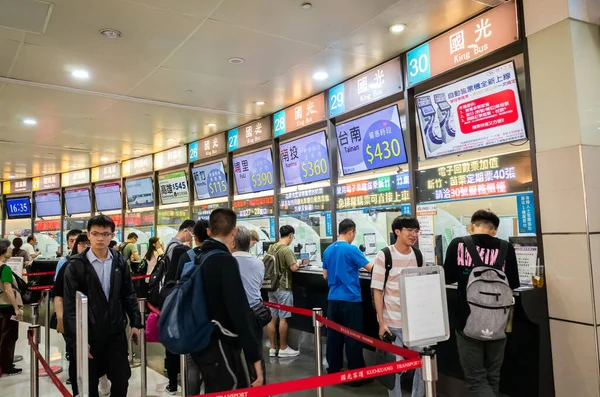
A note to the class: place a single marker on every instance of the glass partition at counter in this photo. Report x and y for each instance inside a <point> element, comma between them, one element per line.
<point>142,224</point>
<point>309,212</point>
<point>449,195</point>
<point>202,211</point>
<point>168,221</point>
<point>47,233</point>
<point>257,214</point>
<point>373,204</point>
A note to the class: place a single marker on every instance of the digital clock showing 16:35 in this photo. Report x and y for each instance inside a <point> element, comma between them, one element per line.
<point>18,207</point>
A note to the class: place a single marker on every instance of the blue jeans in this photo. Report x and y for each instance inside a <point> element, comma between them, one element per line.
<point>418,389</point>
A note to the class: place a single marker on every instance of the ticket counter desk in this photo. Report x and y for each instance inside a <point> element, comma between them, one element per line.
<point>527,369</point>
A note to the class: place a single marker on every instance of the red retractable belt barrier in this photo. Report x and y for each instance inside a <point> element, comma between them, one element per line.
<point>376,343</point>
<point>61,388</point>
<point>39,274</point>
<point>39,287</point>
<point>321,381</point>
<point>133,278</point>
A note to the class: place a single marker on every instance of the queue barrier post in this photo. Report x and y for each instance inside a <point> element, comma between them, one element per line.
<point>183,374</point>
<point>430,373</point>
<point>144,374</point>
<point>81,323</point>
<point>46,297</point>
<point>34,382</point>
<point>318,347</point>
<point>35,313</point>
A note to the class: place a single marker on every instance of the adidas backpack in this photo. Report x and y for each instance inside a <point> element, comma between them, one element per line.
<point>489,296</point>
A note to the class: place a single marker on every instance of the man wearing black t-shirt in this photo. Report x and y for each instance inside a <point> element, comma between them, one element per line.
<point>481,360</point>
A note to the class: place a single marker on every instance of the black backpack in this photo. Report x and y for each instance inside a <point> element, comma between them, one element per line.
<point>159,286</point>
<point>21,287</point>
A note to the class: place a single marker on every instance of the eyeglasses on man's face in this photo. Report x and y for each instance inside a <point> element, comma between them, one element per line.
<point>102,234</point>
<point>412,231</point>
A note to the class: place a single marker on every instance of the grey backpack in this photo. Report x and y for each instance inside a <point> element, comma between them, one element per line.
<point>489,296</point>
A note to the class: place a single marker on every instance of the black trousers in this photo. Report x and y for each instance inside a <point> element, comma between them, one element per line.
<point>110,358</point>
<point>251,370</point>
<point>221,366</point>
<point>173,365</point>
<point>481,362</point>
<point>71,353</point>
<point>9,333</point>
<point>348,314</point>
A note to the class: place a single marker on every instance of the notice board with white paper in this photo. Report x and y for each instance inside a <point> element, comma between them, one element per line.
<point>424,307</point>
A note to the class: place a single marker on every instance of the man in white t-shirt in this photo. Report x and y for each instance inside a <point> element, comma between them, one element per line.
<point>30,247</point>
<point>386,288</point>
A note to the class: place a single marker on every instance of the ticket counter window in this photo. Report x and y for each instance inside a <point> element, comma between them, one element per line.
<point>142,224</point>
<point>373,204</point>
<point>202,211</point>
<point>257,214</point>
<point>168,222</point>
<point>309,213</point>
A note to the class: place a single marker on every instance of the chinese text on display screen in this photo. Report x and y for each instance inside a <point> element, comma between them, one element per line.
<point>372,141</point>
<point>382,191</point>
<point>18,207</point>
<point>140,193</point>
<point>78,201</point>
<point>305,160</point>
<point>47,204</point>
<point>491,176</point>
<point>173,188</point>
<point>253,172</point>
<point>108,197</point>
<point>254,207</point>
<point>306,200</point>
<point>479,111</point>
<point>210,181</point>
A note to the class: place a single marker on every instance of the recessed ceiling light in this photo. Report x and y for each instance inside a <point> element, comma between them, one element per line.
<point>171,140</point>
<point>397,28</point>
<point>137,151</point>
<point>306,6</point>
<point>236,60</point>
<point>43,172</point>
<point>73,166</point>
<point>29,121</point>
<point>11,176</point>
<point>80,74</point>
<point>103,158</point>
<point>211,125</point>
<point>189,90</point>
<point>320,75</point>
<point>259,103</point>
<point>110,33</point>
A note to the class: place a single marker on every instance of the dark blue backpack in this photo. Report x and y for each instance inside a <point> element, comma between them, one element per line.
<point>184,326</point>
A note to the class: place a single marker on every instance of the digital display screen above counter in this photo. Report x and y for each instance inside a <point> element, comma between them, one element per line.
<point>371,142</point>
<point>318,199</point>
<point>18,207</point>
<point>383,191</point>
<point>140,193</point>
<point>305,160</point>
<point>262,206</point>
<point>253,172</point>
<point>78,201</point>
<point>480,111</point>
<point>47,204</point>
<point>173,188</point>
<point>108,197</point>
<point>490,176</point>
<point>210,181</point>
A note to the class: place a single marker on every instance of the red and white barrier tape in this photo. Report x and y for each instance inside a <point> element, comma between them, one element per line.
<point>321,381</point>
<point>39,274</point>
<point>59,385</point>
<point>39,287</point>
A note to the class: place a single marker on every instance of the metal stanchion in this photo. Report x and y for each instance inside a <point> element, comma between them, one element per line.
<point>55,368</point>
<point>430,373</point>
<point>133,362</point>
<point>318,349</point>
<point>144,363</point>
<point>183,362</point>
<point>35,314</point>
<point>81,324</point>
<point>35,380</point>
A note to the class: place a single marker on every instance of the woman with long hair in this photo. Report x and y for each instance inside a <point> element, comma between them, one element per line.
<point>155,249</point>
<point>19,252</point>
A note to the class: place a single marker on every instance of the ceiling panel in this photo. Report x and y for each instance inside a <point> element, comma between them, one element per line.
<point>265,56</point>
<point>195,8</point>
<point>149,34</point>
<point>110,76</point>
<point>323,24</point>
<point>424,19</point>
<point>8,50</point>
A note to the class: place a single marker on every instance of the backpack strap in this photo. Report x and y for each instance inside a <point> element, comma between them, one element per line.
<point>388,265</point>
<point>419,256</point>
<point>475,258</point>
<point>502,253</point>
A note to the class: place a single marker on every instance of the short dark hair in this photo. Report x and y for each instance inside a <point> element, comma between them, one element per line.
<point>112,244</point>
<point>30,238</point>
<point>132,235</point>
<point>347,225</point>
<point>221,222</point>
<point>286,230</point>
<point>187,224</point>
<point>405,222</point>
<point>101,221</point>
<point>82,238</point>
<point>485,217</point>
<point>200,230</point>
<point>17,243</point>
<point>4,246</point>
<point>74,233</point>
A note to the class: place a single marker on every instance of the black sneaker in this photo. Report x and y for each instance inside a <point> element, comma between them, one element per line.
<point>13,371</point>
<point>68,381</point>
<point>171,390</point>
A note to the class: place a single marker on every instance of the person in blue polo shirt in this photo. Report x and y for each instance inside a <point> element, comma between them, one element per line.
<point>341,263</point>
